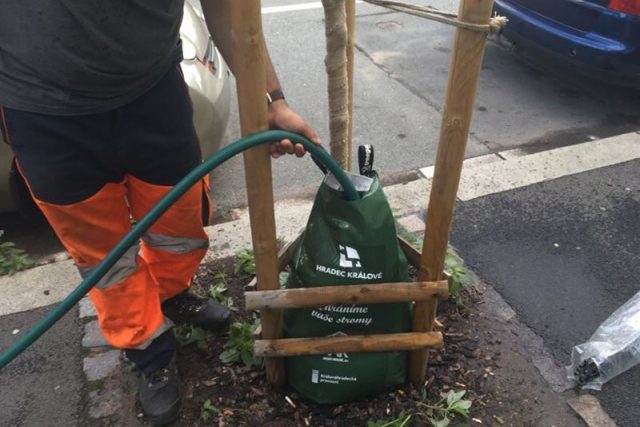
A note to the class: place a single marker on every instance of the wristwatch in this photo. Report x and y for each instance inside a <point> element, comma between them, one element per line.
<point>274,96</point>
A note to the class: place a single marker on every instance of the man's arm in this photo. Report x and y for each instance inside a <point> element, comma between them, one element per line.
<point>217,14</point>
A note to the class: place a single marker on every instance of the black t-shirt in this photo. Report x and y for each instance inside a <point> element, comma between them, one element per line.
<point>70,57</point>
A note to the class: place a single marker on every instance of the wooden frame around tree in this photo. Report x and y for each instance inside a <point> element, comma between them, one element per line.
<point>465,68</point>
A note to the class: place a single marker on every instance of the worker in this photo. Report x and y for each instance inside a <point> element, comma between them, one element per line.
<point>96,111</point>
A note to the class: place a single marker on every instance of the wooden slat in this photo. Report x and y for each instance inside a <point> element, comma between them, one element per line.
<point>249,68</point>
<point>413,255</point>
<point>284,256</point>
<point>347,344</point>
<point>466,62</point>
<point>347,294</point>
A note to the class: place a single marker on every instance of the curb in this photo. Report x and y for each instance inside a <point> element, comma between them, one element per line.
<point>110,384</point>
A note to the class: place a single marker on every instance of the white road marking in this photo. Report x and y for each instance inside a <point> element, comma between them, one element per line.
<point>484,175</point>
<point>427,172</point>
<point>294,7</point>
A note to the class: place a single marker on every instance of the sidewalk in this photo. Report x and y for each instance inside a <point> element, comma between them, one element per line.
<point>106,382</point>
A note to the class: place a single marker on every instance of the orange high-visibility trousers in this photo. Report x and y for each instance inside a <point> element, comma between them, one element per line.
<point>92,175</point>
<point>128,297</point>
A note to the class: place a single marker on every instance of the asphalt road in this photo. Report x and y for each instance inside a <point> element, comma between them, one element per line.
<point>401,72</point>
<point>44,386</point>
<point>564,255</point>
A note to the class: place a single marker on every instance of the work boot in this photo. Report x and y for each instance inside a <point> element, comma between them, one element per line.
<point>160,395</point>
<point>202,312</point>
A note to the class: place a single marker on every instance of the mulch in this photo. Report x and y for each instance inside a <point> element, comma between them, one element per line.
<point>243,397</point>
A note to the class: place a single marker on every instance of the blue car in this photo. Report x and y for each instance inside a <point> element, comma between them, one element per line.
<point>596,38</point>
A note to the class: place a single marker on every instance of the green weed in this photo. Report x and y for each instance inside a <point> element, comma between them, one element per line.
<point>245,262</point>
<point>459,277</point>
<point>444,411</point>
<point>440,414</point>
<point>401,421</point>
<point>12,259</point>
<point>218,290</point>
<point>188,334</point>
<point>239,346</point>
<point>208,409</point>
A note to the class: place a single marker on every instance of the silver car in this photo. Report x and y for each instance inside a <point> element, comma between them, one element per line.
<point>207,76</point>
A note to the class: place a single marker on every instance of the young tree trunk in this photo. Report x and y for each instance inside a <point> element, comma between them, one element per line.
<point>336,65</point>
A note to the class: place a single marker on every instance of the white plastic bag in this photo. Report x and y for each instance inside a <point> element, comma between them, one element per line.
<point>612,349</point>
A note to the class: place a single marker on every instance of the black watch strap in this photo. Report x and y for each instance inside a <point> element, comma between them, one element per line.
<point>274,95</point>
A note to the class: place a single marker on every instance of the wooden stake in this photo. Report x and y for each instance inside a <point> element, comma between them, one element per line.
<point>348,294</point>
<point>465,67</point>
<point>347,344</point>
<point>251,86</point>
<point>351,30</point>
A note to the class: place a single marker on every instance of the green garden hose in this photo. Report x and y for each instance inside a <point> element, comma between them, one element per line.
<point>152,216</point>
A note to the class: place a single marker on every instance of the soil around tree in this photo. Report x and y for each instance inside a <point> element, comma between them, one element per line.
<point>481,355</point>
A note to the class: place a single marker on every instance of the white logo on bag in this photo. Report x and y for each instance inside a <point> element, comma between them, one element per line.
<point>349,257</point>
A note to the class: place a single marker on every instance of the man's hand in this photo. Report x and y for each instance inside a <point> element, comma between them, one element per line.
<point>282,117</point>
<point>217,13</point>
